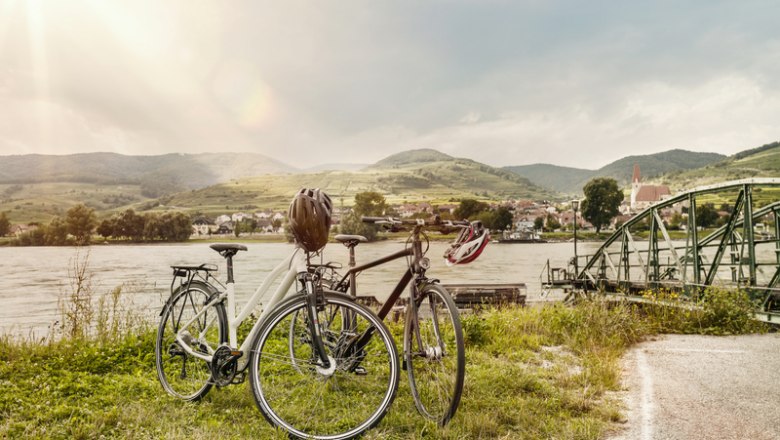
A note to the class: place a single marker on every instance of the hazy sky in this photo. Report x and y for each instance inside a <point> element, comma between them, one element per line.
<point>577,83</point>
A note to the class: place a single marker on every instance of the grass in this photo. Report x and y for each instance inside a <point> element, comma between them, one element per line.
<point>532,373</point>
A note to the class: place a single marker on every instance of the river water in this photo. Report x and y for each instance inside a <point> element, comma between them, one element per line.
<point>33,278</point>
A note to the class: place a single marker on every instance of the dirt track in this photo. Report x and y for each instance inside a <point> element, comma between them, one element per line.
<point>702,387</point>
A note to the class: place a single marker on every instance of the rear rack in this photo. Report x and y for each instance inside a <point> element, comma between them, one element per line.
<point>186,273</point>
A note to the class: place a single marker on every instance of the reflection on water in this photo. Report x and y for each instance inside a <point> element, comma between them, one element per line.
<point>34,277</point>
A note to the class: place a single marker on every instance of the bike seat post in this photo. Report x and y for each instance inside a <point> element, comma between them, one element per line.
<point>352,256</point>
<point>229,257</point>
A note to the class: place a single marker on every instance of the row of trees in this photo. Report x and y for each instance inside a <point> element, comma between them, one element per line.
<point>171,226</point>
<point>75,228</point>
<point>80,222</point>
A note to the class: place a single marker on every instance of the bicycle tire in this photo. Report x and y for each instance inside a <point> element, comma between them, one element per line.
<point>182,375</point>
<point>295,394</point>
<point>436,362</point>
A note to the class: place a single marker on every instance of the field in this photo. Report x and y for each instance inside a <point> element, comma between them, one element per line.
<point>39,202</point>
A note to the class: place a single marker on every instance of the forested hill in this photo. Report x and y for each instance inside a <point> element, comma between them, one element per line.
<point>185,171</point>
<point>571,180</point>
<point>763,161</point>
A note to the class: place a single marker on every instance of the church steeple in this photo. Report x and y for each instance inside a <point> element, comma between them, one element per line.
<point>635,185</point>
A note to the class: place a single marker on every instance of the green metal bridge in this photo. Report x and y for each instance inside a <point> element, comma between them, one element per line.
<point>742,253</point>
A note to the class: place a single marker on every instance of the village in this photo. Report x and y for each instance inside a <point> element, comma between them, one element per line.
<point>530,218</point>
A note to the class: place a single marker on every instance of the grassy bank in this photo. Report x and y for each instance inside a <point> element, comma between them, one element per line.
<point>531,373</point>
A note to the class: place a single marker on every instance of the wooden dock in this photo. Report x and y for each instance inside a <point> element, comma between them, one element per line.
<point>469,296</point>
<point>479,295</point>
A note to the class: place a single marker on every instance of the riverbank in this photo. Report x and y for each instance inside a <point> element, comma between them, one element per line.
<point>547,372</point>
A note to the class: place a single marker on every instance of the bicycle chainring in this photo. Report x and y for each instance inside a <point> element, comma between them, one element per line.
<point>224,366</point>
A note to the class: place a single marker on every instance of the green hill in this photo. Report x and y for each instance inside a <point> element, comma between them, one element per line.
<point>571,180</point>
<point>185,170</point>
<point>412,157</point>
<point>34,187</point>
<point>763,161</point>
<point>562,179</point>
<point>398,179</point>
<point>111,182</point>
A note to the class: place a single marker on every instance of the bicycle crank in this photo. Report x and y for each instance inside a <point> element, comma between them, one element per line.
<point>224,365</point>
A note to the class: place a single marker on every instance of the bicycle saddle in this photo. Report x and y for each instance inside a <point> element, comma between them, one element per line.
<point>350,240</point>
<point>231,248</point>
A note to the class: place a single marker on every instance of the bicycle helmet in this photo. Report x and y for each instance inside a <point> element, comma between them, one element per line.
<point>469,244</point>
<point>310,217</point>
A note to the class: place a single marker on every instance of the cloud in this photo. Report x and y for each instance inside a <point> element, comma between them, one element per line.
<point>505,83</point>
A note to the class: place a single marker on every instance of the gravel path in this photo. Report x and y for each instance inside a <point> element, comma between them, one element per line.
<point>703,387</point>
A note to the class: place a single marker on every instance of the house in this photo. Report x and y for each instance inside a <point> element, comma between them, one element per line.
<point>643,196</point>
<point>238,217</point>
<point>225,228</point>
<point>18,230</point>
<point>203,226</point>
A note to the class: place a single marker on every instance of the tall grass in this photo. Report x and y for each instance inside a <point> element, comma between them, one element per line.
<point>88,315</point>
<point>531,373</point>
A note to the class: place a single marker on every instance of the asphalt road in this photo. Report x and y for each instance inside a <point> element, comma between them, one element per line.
<point>703,387</point>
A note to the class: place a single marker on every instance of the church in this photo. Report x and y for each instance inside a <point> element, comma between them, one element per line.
<point>643,196</point>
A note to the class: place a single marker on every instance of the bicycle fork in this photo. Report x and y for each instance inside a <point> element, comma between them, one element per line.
<point>312,299</point>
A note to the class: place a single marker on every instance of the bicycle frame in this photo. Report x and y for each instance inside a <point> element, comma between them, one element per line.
<point>290,267</point>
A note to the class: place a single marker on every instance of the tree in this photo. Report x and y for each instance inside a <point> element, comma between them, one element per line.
<point>56,233</point>
<point>602,200</point>
<point>370,203</point>
<point>706,215</point>
<point>552,223</point>
<point>469,208</point>
<point>500,219</point>
<point>366,204</point>
<point>81,221</point>
<point>538,223</point>
<point>5,224</point>
<point>676,221</point>
<point>107,227</point>
<point>130,225</point>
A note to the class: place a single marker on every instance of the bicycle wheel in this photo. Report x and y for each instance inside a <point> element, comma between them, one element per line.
<point>295,393</point>
<point>181,374</point>
<point>434,354</point>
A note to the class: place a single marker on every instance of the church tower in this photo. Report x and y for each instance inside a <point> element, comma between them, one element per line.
<point>635,185</point>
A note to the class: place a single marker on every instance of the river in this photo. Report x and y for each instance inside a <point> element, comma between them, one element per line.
<point>33,278</point>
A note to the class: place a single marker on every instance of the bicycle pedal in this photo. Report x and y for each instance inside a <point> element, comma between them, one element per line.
<point>239,379</point>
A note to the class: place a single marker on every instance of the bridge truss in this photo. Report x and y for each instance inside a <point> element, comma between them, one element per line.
<point>743,252</point>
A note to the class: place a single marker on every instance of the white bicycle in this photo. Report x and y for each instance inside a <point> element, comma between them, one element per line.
<point>320,365</point>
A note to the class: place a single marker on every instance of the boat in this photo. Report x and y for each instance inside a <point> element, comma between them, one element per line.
<point>521,236</point>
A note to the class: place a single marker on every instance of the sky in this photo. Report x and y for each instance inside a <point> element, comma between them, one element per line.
<point>575,83</point>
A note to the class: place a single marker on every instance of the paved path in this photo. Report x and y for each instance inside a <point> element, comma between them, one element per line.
<point>703,387</point>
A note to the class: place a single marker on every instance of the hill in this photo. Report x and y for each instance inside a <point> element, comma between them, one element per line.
<point>411,157</point>
<point>37,187</point>
<point>763,161</point>
<point>185,170</point>
<point>432,176</point>
<point>562,179</point>
<point>571,180</point>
